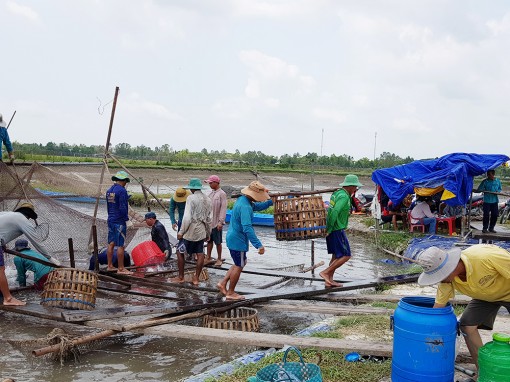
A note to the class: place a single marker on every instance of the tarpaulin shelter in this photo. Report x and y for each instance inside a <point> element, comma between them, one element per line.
<point>452,173</point>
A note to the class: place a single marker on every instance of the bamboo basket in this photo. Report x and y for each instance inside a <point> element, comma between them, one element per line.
<point>241,319</point>
<point>299,217</point>
<point>70,288</point>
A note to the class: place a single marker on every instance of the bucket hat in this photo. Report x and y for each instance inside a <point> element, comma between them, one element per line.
<point>213,178</point>
<point>150,215</point>
<point>257,191</point>
<point>351,180</point>
<point>21,244</point>
<point>28,209</point>
<point>194,184</point>
<point>121,175</point>
<point>437,264</point>
<point>2,122</point>
<point>180,195</point>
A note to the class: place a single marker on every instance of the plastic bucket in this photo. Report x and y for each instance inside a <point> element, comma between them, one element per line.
<point>147,253</point>
<point>423,341</point>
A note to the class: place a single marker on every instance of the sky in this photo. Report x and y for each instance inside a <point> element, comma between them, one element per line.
<point>412,78</point>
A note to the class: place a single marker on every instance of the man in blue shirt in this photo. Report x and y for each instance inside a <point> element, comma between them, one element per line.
<point>117,206</point>
<point>4,139</point>
<point>241,233</point>
<point>490,186</point>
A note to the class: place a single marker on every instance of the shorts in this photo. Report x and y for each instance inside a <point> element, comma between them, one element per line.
<point>338,244</point>
<point>216,236</point>
<point>482,314</point>
<point>193,247</point>
<point>239,257</point>
<point>116,234</point>
<point>1,257</point>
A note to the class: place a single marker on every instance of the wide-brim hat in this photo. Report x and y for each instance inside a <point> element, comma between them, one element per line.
<point>257,191</point>
<point>21,244</point>
<point>437,264</point>
<point>28,209</point>
<point>122,176</point>
<point>194,184</point>
<point>351,180</point>
<point>180,195</point>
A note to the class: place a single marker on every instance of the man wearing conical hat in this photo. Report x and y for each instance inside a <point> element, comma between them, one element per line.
<point>336,223</point>
<point>241,233</point>
<point>117,207</point>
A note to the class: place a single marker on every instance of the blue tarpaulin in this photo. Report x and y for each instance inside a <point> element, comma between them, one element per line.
<point>454,172</point>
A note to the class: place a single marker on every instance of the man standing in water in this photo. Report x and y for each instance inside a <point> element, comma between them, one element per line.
<point>117,206</point>
<point>336,223</point>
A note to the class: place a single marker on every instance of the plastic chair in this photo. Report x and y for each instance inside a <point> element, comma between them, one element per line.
<point>414,226</point>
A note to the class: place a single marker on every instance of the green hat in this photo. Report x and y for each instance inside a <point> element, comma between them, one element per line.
<point>121,175</point>
<point>194,184</point>
<point>351,180</point>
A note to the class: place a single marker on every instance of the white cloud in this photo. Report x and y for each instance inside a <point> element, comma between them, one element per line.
<point>23,11</point>
<point>335,116</point>
<point>410,125</point>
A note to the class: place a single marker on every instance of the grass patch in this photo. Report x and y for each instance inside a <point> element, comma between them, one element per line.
<point>394,242</point>
<point>384,304</point>
<point>333,367</point>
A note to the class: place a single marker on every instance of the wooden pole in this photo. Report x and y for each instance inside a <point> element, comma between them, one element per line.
<point>96,249</point>
<point>303,193</point>
<point>9,124</point>
<point>312,255</point>
<point>71,252</point>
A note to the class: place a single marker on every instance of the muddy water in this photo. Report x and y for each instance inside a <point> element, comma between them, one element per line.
<point>151,358</point>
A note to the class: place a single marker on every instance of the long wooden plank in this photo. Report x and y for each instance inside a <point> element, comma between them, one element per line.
<point>35,310</point>
<point>323,309</point>
<point>370,298</point>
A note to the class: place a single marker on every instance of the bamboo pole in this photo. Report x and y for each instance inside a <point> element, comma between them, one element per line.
<point>139,325</point>
<point>283,279</point>
<point>272,194</point>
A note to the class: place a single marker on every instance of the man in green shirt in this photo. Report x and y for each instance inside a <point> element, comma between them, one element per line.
<point>336,223</point>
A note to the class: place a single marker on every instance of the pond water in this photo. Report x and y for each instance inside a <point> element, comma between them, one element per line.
<point>153,358</point>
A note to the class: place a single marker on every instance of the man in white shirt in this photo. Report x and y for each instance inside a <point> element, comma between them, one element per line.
<point>422,213</point>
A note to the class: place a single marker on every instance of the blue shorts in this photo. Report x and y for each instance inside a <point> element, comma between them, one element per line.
<point>1,257</point>
<point>193,247</point>
<point>338,244</point>
<point>239,257</point>
<point>116,234</point>
<point>216,236</point>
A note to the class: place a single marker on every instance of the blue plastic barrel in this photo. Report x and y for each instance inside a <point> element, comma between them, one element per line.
<point>423,341</point>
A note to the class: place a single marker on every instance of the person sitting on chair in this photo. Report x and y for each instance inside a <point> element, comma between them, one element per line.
<point>422,212</point>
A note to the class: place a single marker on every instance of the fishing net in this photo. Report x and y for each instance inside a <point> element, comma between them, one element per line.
<point>54,194</point>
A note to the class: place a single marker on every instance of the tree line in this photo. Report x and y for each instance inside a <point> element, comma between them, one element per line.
<point>166,155</point>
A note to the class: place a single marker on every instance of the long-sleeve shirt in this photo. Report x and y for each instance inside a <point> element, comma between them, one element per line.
<point>493,185</point>
<point>4,138</point>
<point>117,204</point>
<point>420,211</point>
<point>24,265</point>
<point>487,275</point>
<point>196,222</point>
<point>338,211</point>
<point>160,236</point>
<point>179,206</point>
<point>14,224</point>
<point>219,206</point>
<point>240,231</point>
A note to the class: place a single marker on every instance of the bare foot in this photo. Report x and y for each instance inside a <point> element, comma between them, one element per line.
<point>112,269</point>
<point>329,282</point>
<point>234,297</point>
<point>222,289</point>
<point>124,272</point>
<point>14,302</point>
<point>209,260</point>
<point>218,263</point>
<point>177,280</point>
<point>194,280</point>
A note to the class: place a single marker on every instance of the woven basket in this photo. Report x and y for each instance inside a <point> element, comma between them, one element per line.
<point>299,217</point>
<point>70,288</point>
<point>242,319</point>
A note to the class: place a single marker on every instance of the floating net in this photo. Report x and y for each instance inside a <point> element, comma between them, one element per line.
<point>53,192</point>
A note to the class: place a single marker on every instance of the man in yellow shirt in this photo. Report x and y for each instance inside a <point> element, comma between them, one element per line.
<point>482,272</point>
